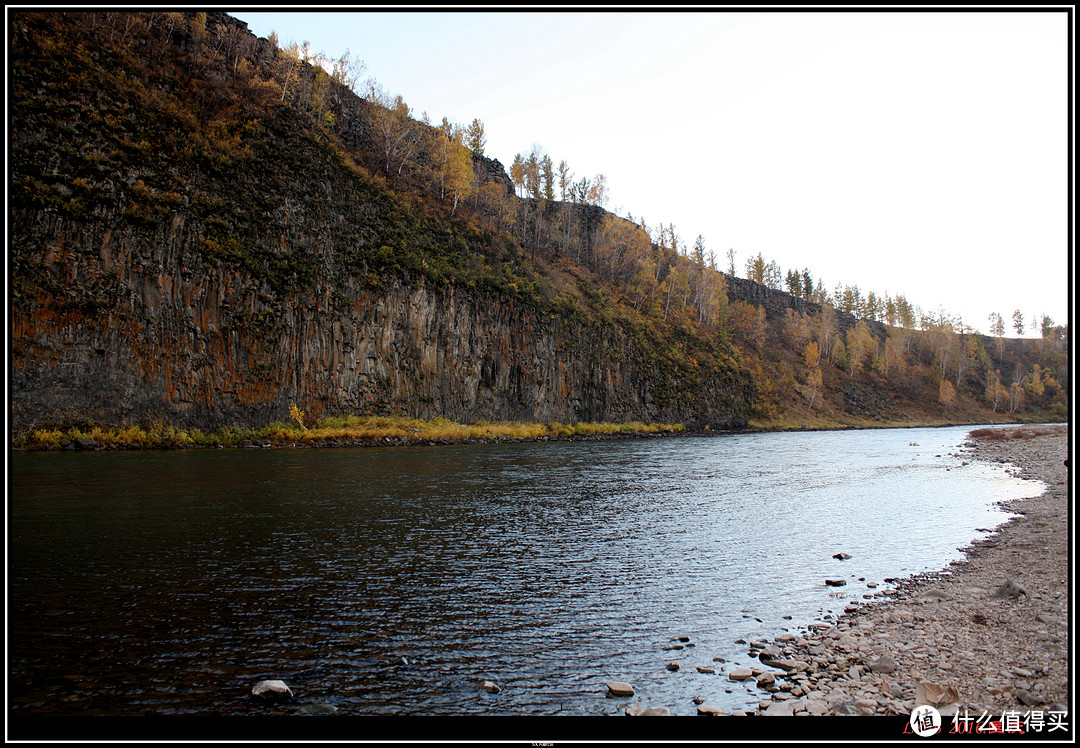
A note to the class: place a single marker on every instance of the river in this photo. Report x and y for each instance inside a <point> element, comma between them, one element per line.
<point>396,580</point>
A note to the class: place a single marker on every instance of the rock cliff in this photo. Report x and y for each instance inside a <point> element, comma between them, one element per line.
<point>153,332</point>
<point>193,246</point>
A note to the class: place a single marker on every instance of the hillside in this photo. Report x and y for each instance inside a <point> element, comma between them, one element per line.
<point>207,229</point>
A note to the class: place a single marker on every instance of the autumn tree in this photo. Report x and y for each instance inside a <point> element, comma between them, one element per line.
<point>893,359</point>
<point>398,134</point>
<point>756,269</point>
<point>996,393</point>
<point>826,332</point>
<point>813,386</point>
<point>460,178</point>
<point>1033,383</point>
<point>475,140</point>
<point>798,328</point>
<point>997,330</point>
<point>860,344</point>
<point>623,249</point>
<point>1018,322</point>
<point>1016,397</point>
<point>598,191</point>
<point>676,287</point>
<point>517,174</point>
<point>1046,327</point>
<point>946,393</point>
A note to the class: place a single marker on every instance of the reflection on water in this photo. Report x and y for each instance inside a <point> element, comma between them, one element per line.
<point>393,581</point>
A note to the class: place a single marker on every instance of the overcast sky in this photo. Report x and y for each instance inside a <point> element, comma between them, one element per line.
<point>914,153</point>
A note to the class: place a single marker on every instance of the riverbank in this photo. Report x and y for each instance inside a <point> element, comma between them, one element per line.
<point>988,634</point>
<point>347,431</point>
<point>382,431</point>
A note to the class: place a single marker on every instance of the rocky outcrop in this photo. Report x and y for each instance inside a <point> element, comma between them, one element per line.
<point>145,329</point>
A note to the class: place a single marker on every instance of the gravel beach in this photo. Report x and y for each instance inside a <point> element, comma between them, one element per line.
<point>987,635</point>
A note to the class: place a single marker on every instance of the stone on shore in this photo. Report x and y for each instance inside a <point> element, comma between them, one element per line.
<point>780,709</point>
<point>883,664</point>
<point>637,710</point>
<point>835,582</point>
<point>1010,589</point>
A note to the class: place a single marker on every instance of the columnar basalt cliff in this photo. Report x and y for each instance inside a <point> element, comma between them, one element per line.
<point>210,273</point>
<point>207,229</point>
<point>165,336</point>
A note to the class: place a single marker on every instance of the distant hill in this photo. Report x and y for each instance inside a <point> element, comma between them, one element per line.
<point>206,229</point>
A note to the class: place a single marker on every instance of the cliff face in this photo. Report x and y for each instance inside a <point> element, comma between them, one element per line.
<point>190,246</point>
<point>153,332</point>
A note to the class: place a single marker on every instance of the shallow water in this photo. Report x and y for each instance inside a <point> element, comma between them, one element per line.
<point>393,581</point>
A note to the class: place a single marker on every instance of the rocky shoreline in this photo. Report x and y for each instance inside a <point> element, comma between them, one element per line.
<point>987,635</point>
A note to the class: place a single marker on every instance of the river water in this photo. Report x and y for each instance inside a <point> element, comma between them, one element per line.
<point>395,580</point>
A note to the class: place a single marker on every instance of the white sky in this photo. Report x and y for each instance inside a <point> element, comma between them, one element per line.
<point>920,153</point>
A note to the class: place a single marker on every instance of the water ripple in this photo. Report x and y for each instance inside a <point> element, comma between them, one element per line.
<point>393,581</point>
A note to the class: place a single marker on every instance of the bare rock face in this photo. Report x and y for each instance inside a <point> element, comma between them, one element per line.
<point>208,347</point>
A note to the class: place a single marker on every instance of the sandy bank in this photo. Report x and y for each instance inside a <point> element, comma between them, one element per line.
<point>1002,650</point>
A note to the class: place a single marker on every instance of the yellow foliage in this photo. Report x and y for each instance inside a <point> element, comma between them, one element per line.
<point>297,415</point>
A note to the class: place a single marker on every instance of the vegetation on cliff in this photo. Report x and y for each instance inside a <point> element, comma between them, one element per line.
<point>274,188</point>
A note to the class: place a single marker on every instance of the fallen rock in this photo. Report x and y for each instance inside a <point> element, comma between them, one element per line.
<point>271,689</point>
<point>835,582</point>
<point>841,556</point>
<point>490,687</point>
<point>1027,698</point>
<point>656,711</point>
<point>709,711</point>
<point>740,674</point>
<point>1010,589</point>
<point>883,664</point>
<point>673,666</point>
<point>937,696</point>
<point>780,709</point>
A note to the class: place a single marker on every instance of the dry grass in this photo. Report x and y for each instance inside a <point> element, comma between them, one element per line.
<point>1019,432</point>
<point>332,429</point>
